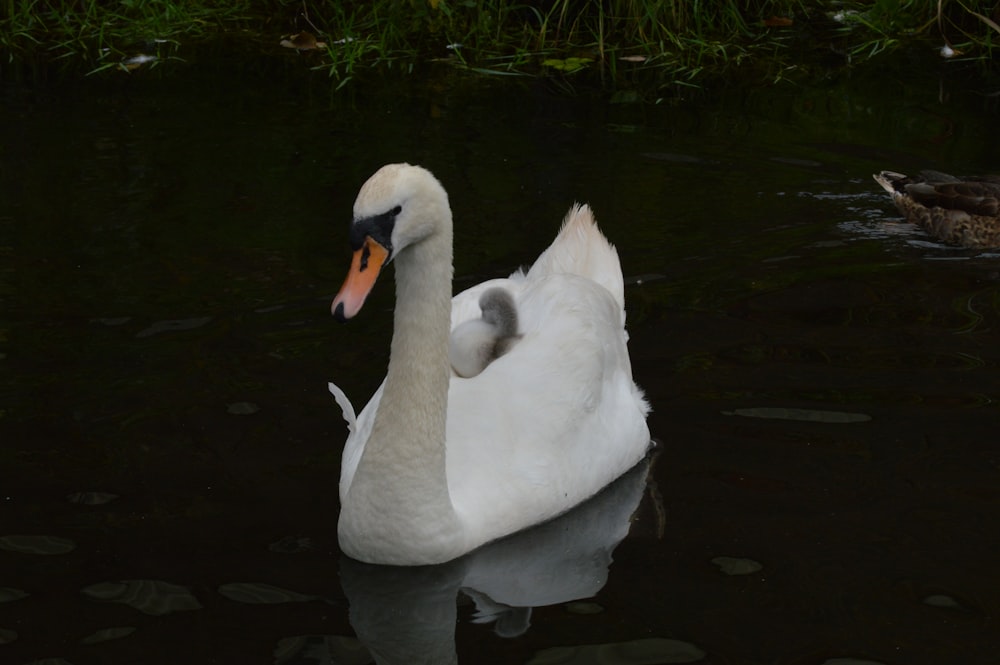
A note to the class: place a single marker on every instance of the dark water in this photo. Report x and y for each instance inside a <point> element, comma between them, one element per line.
<point>824,380</point>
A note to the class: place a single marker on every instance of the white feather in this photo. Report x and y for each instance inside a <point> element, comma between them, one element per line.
<point>346,408</point>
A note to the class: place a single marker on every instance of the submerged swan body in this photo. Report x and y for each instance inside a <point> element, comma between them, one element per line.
<point>959,211</point>
<point>476,343</point>
<point>436,465</point>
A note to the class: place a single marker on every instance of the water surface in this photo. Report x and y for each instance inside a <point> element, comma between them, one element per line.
<point>823,378</point>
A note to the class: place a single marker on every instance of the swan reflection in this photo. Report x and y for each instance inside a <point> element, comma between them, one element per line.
<point>408,615</point>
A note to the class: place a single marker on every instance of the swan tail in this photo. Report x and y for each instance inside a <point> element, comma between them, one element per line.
<point>581,249</point>
<point>345,405</point>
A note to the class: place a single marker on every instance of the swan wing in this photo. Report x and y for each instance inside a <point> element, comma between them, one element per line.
<point>581,249</point>
<point>578,249</point>
<point>553,421</point>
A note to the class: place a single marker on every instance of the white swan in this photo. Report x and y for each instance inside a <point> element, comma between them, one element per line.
<point>476,343</point>
<point>437,465</point>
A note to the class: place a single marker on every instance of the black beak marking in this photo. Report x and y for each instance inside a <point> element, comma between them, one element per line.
<point>365,254</point>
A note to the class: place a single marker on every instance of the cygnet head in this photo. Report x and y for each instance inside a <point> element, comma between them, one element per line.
<point>499,311</point>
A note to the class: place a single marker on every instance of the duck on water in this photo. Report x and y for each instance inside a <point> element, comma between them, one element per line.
<point>957,211</point>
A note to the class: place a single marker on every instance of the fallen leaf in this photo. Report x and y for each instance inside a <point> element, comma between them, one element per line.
<point>302,41</point>
<point>567,65</point>
<point>777,22</point>
<point>731,565</point>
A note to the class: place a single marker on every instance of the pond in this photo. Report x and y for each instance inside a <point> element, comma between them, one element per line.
<point>823,378</point>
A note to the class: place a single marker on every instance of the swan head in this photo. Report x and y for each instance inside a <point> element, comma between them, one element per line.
<point>398,206</point>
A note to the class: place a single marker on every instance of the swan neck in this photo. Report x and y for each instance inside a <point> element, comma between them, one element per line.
<point>419,371</point>
<point>402,475</point>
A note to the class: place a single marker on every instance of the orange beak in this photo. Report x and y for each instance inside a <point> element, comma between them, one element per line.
<point>365,267</point>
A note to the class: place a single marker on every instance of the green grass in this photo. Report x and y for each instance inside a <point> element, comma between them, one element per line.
<point>613,42</point>
<point>970,28</point>
<point>102,35</point>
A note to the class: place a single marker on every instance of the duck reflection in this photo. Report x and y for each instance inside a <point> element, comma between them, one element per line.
<point>408,615</point>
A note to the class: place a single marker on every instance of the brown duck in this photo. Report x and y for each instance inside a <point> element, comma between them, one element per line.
<point>958,211</point>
